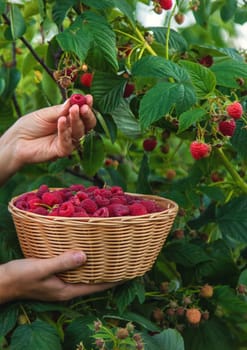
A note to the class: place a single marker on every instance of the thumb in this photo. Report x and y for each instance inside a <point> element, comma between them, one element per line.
<point>66,261</point>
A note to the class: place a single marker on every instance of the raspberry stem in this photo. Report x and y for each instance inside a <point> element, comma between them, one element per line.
<point>236,177</point>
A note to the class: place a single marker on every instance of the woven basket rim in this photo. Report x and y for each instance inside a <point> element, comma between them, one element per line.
<point>173,206</point>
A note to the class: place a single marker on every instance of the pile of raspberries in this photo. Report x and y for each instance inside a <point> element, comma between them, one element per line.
<point>79,201</point>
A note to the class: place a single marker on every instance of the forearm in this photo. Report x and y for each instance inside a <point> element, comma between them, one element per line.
<point>9,164</point>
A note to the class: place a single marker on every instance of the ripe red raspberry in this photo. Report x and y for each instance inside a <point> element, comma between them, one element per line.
<point>89,205</point>
<point>193,316</point>
<point>101,212</point>
<point>118,210</point>
<point>137,209</point>
<point>101,201</point>
<point>235,110</point>
<point>227,127</point>
<point>34,203</point>
<point>128,90</point>
<point>149,144</point>
<point>77,99</point>
<point>52,198</point>
<point>39,211</point>
<point>86,79</point>
<point>66,209</point>
<point>166,4</point>
<point>150,205</point>
<point>199,150</point>
<point>206,291</point>
<point>206,61</point>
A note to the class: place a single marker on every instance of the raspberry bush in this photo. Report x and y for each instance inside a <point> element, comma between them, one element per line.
<point>171,103</point>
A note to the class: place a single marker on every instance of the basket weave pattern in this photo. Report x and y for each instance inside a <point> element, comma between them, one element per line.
<point>117,248</point>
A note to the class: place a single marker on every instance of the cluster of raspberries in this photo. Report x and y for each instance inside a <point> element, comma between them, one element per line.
<point>78,201</point>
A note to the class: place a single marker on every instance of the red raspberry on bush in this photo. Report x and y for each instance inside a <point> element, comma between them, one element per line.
<point>166,4</point>
<point>77,99</point>
<point>193,316</point>
<point>206,61</point>
<point>128,90</point>
<point>235,110</point>
<point>86,79</point>
<point>227,127</point>
<point>150,144</point>
<point>199,150</point>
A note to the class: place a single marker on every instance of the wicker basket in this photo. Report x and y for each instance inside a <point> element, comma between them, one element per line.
<point>117,248</point>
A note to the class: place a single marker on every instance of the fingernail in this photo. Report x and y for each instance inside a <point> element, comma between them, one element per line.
<point>79,257</point>
<point>65,102</point>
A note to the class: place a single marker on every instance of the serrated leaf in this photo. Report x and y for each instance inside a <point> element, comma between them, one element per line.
<point>232,219</point>
<point>159,100</point>
<point>127,293</point>
<point>126,8</point>
<point>202,78</point>
<point>228,10</point>
<point>230,302</point>
<point>93,154</point>
<point>185,254</point>
<point>228,70</point>
<point>158,67</point>
<point>38,335</point>
<point>90,31</point>
<point>239,139</point>
<point>12,77</point>
<point>78,330</point>
<point>167,339</point>
<point>241,15</point>
<point>100,5</point>
<point>176,41</point>
<point>2,6</point>
<point>190,118</point>
<point>17,22</point>
<point>125,120</point>
<point>107,89</point>
<point>60,10</point>
<point>213,335</point>
<point>8,318</point>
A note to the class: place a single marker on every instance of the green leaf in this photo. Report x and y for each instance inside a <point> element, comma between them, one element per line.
<point>17,22</point>
<point>232,219</point>
<point>100,5</point>
<point>126,294</point>
<point>126,8</point>
<point>241,15</point>
<point>8,318</point>
<point>158,67</point>
<point>202,78</point>
<point>93,153</point>
<point>176,41</point>
<point>231,304</point>
<point>2,6</point>
<point>2,85</point>
<point>125,120</point>
<point>185,253</point>
<point>107,89</point>
<point>190,118</point>
<point>60,10</point>
<point>243,277</point>
<point>38,335</point>
<point>96,34</point>
<point>159,100</point>
<point>228,70</point>
<point>202,15</point>
<point>12,77</point>
<point>239,139</point>
<point>167,339</point>
<point>228,10</point>
<point>78,330</point>
<point>213,335</point>
<point>143,185</point>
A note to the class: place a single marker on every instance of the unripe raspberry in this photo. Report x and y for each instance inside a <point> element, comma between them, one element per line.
<point>77,99</point>
<point>199,150</point>
<point>171,174</point>
<point>205,315</point>
<point>206,61</point>
<point>158,315</point>
<point>227,127</point>
<point>178,234</point>
<point>179,18</point>
<point>164,287</point>
<point>206,291</point>
<point>193,316</point>
<point>235,110</point>
<point>122,333</point>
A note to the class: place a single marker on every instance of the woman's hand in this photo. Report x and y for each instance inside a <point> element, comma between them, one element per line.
<point>44,135</point>
<point>36,279</point>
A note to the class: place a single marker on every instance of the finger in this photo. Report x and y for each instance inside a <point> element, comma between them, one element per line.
<point>89,100</point>
<point>76,290</point>
<point>76,123</point>
<point>64,144</point>
<point>61,263</point>
<point>50,114</point>
<point>88,117</point>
